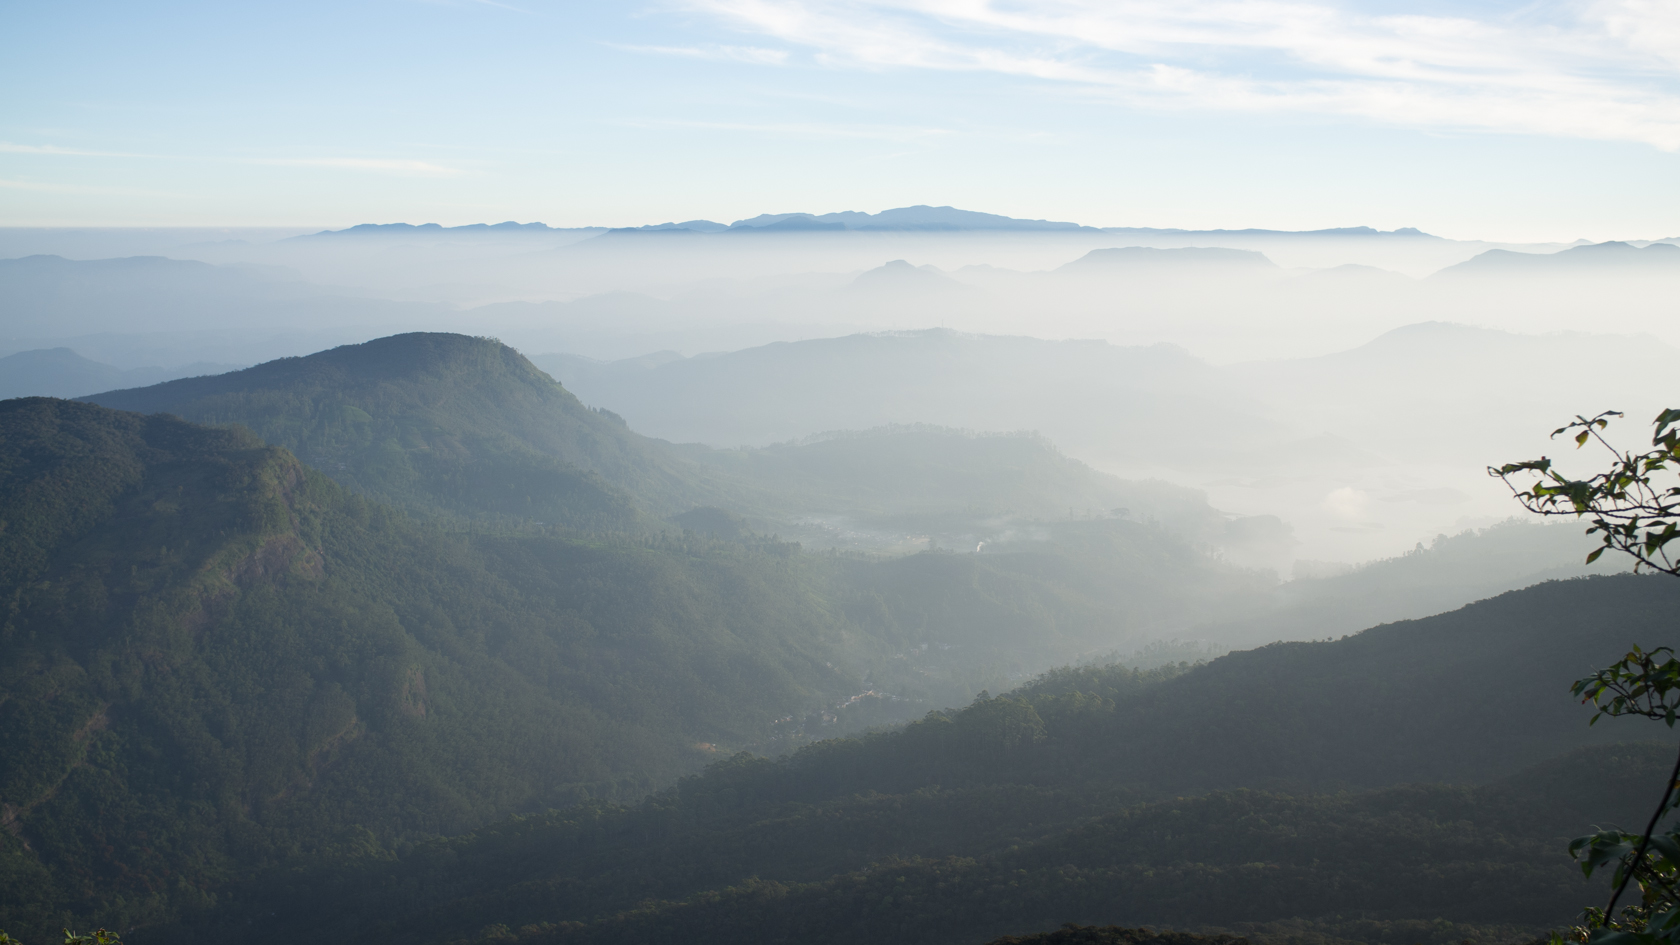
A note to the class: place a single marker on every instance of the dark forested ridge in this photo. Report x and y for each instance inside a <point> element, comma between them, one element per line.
<point>1214,796</point>
<point>439,422</point>
<point>231,688</point>
<point>214,658</point>
<point>468,427</point>
<point>1071,934</point>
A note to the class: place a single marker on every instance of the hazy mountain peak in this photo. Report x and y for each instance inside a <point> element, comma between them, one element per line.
<point>1339,232</point>
<point>696,226</point>
<point>508,227</point>
<point>411,357</point>
<point>1614,255</point>
<point>1146,258</point>
<point>919,217</point>
<point>435,420</point>
<point>900,276</point>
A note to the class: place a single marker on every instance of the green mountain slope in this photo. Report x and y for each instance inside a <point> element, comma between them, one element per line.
<point>470,428</point>
<point>438,421</point>
<point>215,660</point>
<point>213,657</point>
<point>1196,797</point>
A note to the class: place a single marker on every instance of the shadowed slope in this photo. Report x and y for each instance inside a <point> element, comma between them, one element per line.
<point>213,658</point>
<point>439,421</point>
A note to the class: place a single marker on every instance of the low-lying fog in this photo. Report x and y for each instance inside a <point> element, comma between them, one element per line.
<point>1354,384</point>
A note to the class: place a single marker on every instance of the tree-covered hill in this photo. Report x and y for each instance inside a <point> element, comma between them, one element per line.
<point>469,427</point>
<point>437,421</point>
<point>214,658</point>
<point>1281,785</point>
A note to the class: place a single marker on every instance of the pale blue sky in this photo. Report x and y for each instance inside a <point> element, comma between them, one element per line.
<point>1493,120</point>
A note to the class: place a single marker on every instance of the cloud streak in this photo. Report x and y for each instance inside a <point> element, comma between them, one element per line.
<point>53,188</point>
<point>405,167</point>
<point>800,129</point>
<point>1603,69</point>
<point>755,55</point>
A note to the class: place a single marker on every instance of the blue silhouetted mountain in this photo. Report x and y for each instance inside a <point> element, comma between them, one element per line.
<point>508,228</point>
<point>697,226</point>
<point>919,217</point>
<point>1405,232</point>
<point>1596,258</point>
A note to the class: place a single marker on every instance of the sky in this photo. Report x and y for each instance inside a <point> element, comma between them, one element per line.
<point>1475,119</point>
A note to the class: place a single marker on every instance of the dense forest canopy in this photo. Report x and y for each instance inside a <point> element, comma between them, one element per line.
<point>225,660</point>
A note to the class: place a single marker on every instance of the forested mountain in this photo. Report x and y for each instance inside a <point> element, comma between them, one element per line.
<point>232,687</point>
<point>440,421</point>
<point>1099,795</point>
<point>215,658</point>
<point>468,427</point>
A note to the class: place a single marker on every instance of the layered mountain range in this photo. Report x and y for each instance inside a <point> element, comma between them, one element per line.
<point>293,642</point>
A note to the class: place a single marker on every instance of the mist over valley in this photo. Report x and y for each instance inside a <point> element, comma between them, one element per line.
<point>839,472</point>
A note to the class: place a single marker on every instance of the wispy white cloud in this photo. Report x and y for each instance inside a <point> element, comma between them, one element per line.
<point>406,167</point>
<point>800,129</point>
<point>1604,69</point>
<point>472,3</point>
<point>756,55</point>
<point>6,147</point>
<point>55,188</point>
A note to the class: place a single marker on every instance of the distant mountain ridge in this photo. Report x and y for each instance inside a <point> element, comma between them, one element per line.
<point>61,372</point>
<point>508,227</point>
<point>1614,256</point>
<point>1152,260</point>
<point>920,217</point>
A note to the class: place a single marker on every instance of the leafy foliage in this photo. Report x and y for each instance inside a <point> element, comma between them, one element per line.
<point>1636,515</point>
<point>96,937</point>
<point>1630,511</point>
<point>1641,683</point>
